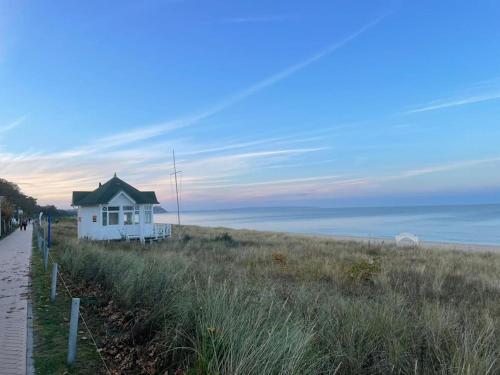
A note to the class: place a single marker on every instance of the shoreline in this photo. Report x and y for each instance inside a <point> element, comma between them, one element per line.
<point>436,245</point>
<point>429,245</point>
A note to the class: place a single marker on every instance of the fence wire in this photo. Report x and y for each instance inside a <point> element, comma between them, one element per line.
<point>41,246</point>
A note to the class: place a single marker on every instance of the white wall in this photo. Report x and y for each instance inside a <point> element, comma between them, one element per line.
<point>86,227</point>
<point>96,231</point>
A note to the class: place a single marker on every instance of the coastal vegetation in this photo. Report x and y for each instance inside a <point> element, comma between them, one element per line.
<point>219,301</point>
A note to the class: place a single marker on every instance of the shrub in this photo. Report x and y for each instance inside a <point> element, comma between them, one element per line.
<point>364,270</point>
<point>225,238</point>
<point>279,258</point>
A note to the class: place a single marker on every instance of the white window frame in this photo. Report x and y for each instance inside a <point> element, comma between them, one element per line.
<point>128,210</point>
<point>137,214</point>
<point>148,214</point>
<point>107,211</point>
<point>104,216</point>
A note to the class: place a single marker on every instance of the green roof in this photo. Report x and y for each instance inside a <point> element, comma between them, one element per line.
<point>105,192</point>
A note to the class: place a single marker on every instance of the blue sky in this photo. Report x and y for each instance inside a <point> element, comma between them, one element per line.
<point>317,103</point>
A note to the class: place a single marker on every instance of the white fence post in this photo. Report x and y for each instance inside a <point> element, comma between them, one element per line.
<point>53,285</point>
<point>73,330</point>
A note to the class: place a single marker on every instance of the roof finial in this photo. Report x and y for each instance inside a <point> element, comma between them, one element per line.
<point>114,175</point>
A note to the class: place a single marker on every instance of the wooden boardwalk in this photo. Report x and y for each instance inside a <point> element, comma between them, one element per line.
<point>15,253</point>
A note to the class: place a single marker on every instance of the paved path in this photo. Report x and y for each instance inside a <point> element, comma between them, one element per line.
<point>15,253</point>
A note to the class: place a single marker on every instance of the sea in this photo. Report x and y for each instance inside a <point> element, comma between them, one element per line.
<point>468,224</point>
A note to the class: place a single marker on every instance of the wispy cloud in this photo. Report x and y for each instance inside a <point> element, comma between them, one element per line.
<point>319,186</point>
<point>447,167</point>
<point>146,164</point>
<point>433,169</point>
<point>277,182</point>
<point>14,124</point>
<point>227,177</point>
<point>256,19</point>
<point>275,78</point>
<point>147,132</point>
<point>455,102</point>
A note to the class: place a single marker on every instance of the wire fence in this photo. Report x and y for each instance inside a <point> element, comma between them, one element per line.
<point>43,245</point>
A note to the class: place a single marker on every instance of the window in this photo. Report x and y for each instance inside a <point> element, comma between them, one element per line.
<point>110,215</point>
<point>128,218</point>
<point>137,216</point>
<point>128,215</point>
<point>94,218</point>
<point>148,214</point>
<point>113,218</point>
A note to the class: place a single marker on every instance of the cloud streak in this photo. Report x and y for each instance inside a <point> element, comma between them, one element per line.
<point>147,132</point>
<point>275,78</point>
<point>444,104</point>
<point>14,124</point>
<point>319,186</point>
<point>256,19</point>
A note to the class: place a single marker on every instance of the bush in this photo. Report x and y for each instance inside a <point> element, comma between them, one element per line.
<point>225,238</point>
<point>364,270</point>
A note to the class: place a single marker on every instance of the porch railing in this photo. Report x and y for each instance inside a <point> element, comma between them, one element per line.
<point>162,230</point>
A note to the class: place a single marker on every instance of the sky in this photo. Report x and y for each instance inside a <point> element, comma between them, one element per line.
<point>266,103</point>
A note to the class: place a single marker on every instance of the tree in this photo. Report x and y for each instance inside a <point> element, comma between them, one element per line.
<point>16,198</point>
<point>53,211</point>
<point>8,212</point>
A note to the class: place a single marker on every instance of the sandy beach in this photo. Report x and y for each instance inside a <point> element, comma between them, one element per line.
<point>430,245</point>
<point>422,244</point>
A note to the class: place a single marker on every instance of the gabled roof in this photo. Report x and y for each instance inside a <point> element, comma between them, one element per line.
<point>104,193</point>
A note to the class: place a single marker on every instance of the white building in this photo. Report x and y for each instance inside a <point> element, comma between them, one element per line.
<point>117,210</point>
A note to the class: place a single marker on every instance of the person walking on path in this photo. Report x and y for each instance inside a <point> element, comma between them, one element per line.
<point>15,253</point>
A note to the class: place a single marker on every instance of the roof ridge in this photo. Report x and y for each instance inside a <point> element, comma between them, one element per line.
<point>107,191</point>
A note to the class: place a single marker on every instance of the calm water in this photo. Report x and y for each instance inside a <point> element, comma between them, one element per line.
<point>478,224</point>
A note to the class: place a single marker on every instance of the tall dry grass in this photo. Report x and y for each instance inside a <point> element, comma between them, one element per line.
<point>243,302</point>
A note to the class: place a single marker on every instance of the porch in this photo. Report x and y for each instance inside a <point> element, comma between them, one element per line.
<point>156,233</point>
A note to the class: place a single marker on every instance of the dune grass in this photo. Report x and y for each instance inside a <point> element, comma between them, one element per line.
<point>243,302</point>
